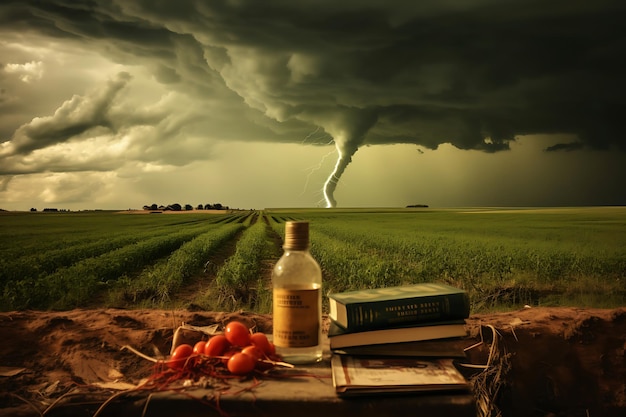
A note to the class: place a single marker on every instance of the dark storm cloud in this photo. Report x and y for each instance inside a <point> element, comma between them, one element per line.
<point>473,74</point>
<point>495,68</point>
<point>565,147</point>
<point>77,116</point>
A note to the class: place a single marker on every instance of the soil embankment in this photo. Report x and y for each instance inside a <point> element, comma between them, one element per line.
<point>552,361</point>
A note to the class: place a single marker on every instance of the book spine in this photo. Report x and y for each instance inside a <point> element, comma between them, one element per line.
<point>377,314</point>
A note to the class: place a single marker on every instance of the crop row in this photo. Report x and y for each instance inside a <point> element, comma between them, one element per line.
<point>242,282</point>
<point>156,283</point>
<point>500,260</point>
<point>42,263</point>
<point>76,284</point>
<point>27,234</point>
<point>74,259</point>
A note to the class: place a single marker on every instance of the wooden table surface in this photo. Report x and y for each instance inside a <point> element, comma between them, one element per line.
<point>302,392</point>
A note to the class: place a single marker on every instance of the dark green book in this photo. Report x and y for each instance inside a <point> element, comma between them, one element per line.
<point>408,304</point>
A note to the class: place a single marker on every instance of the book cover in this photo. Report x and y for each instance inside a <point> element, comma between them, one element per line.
<point>364,376</point>
<point>381,307</point>
<point>342,338</point>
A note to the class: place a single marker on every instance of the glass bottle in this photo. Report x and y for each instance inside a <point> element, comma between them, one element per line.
<point>297,299</point>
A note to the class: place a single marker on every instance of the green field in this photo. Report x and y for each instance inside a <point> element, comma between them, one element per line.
<point>504,258</point>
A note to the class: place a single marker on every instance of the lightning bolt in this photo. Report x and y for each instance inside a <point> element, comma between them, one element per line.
<point>316,168</point>
<point>331,181</point>
<point>310,135</point>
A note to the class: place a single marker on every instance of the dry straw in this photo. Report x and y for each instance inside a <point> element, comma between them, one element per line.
<point>486,384</point>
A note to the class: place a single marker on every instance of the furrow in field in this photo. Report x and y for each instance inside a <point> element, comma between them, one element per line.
<point>176,278</point>
<point>76,284</point>
<point>243,281</point>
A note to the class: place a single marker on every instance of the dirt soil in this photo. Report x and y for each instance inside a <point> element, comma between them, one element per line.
<point>550,362</point>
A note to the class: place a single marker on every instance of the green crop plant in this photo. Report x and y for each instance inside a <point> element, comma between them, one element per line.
<point>155,284</point>
<point>504,258</point>
<point>237,279</point>
<point>508,257</point>
<point>76,284</point>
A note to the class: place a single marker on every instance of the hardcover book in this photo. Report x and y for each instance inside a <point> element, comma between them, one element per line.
<point>363,376</point>
<point>381,307</point>
<point>342,338</point>
<point>453,347</point>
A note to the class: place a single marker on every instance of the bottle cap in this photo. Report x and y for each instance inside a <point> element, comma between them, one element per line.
<point>296,235</point>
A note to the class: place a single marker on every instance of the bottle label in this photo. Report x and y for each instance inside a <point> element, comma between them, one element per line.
<point>296,317</point>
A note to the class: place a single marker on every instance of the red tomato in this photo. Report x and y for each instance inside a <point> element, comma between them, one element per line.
<point>241,364</point>
<point>273,355</point>
<point>198,348</point>
<point>253,351</point>
<point>237,333</point>
<point>228,354</point>
<point>180,356</point>
<point>216,345</point>
<point>260,340</point>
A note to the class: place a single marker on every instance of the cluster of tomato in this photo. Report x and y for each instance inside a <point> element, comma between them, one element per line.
<point>240,350</point>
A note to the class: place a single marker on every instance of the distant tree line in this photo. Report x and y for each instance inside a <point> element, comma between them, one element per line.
<point>51,209</point>
<point>186,207</point>
<point>153,207</point>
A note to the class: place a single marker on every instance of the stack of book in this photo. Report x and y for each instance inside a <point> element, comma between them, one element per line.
<point>412,331</point>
